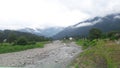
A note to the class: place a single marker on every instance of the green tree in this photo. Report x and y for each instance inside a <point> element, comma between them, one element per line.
<point>22,41</point>
<point>1,37</point>
<point>113,35</point>
<point>95,33</point>
<point>11,38</point>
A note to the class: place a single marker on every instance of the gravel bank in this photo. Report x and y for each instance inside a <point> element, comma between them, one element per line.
<point>53,55</point>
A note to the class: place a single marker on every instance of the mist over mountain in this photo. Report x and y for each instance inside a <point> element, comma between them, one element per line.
<point>107,23</point>
<point>47,32</point>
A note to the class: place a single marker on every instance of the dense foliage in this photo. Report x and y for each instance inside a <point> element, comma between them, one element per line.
<point>21,41</point>
<point>22,38</point>
<point>113,35</point>
<point>95,33</point>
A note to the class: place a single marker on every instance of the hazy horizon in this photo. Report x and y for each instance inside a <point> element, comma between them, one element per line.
<point>16,14</point>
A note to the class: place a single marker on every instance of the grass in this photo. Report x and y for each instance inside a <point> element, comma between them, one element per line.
<point>105,54</point>
<point>86,43</point>
<point>8,48</point>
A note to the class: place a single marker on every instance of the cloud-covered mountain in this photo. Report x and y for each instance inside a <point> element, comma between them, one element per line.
<point>47,32</point>
<point>107,23</point>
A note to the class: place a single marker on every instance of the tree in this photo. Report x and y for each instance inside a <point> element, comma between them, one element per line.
<point>11,37</point>
<point>22,41</point>
<point>1,37</point>
<point>95,33</point>
<point>113,35</point>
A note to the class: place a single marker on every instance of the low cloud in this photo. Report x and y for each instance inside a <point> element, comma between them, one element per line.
<point>49,13</point>
<point>94,7</point>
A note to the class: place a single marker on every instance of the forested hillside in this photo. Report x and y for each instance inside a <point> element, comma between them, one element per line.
<point>107,23</point>
<point>11,36</point>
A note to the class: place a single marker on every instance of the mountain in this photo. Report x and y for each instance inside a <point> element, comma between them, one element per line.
<point>107,23</point>
<point>47,32</point>
<point>31,30</point>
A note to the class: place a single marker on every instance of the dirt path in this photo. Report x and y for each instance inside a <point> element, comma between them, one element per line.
<point>53,55</point>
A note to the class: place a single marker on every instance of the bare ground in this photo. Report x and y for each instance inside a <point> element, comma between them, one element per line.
<point>53,55</point>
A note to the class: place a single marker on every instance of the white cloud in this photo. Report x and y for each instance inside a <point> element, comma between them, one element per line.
<point>46,13</point>
<point>94,7</point>
<point>84,24</point>
<point>88,23</point>
<point>117,17</point>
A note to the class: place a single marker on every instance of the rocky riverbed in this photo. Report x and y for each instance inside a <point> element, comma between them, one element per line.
<point>53,55</point>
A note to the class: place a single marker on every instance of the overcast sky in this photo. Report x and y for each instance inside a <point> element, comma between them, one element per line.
<point>15,14</point>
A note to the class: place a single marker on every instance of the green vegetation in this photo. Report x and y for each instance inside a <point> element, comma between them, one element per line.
<point>113,35</point>
<point>21,41</point>
<point>86,43</point>
<point>11,36</point>
<point>105,54</point>
<point>7,47</point>
<point>13,41</point>
<point>100,50</point>
<point>95,33</point>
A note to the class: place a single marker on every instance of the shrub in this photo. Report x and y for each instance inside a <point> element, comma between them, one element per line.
<point>31,42</point>
<point>113,35</point>
<point>93,42</point>
<point>87,43</point>
<point>22,41</point>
